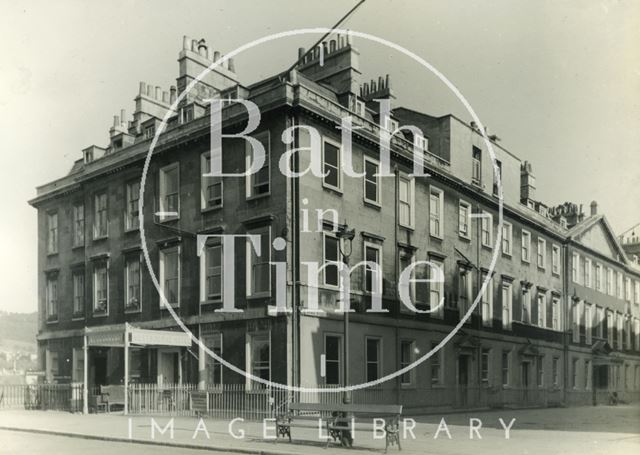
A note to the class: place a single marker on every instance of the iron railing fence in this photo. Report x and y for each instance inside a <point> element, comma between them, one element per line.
<point>256,403</point>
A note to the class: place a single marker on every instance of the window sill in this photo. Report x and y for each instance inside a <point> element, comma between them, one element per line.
<point>372,204</point>
<point>489,247</point>
<point>332,189</point>
<point>260,295</point>
<point>256,197</point>
<point>52,253</point>
<point>168,219</point>
<point>210,209</point>
<point>437,237</point>
<point>507,255</point>
<point>406,226</point>
<point>102,237</point>
<point>464,237</point>
<point>130,230</point>
<point>100,315</point>
<point>172,305</point>
<point>77,318</point>
<point>52,321</point>
<point>524,261</point>
<point>133,310</point>
<point>77,247</point>
<point>211,302</point>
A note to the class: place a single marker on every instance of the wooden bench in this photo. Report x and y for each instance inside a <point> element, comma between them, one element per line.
<point>112,394</point>
<point>340,419</point>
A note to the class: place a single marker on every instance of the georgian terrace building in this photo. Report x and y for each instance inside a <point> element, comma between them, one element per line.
<point>521,345</point>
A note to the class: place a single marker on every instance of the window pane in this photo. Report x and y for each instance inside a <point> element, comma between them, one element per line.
<point>331,255</point>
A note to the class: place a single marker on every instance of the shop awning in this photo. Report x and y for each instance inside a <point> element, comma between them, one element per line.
<point>124,336</point>
<point>114,336</point>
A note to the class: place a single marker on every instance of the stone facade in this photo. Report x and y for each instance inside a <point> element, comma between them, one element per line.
<point>518,346</point>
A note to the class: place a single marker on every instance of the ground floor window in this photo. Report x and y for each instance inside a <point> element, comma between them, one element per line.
<point>52,366</point>
<point>484,366</point>
<point>540,371</point>
<point>555,371</point>
<point>436,365</point>
<point>505,368</point>
<point>407,348</point>
<point>373,359</point>
<point>332,360</point>
<point>214,368</point>
<point>77,374</point>
<point>259,357</point>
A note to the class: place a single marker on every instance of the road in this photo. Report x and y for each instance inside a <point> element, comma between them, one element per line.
<point>19,443</point>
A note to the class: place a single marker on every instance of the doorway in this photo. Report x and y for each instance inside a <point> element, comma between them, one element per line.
<point>100,369</point>
<point>463,379</point>
<point>525,381</point>
<point>169,367</point>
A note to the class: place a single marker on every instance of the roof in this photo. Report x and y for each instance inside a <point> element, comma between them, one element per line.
<point>589,223</point>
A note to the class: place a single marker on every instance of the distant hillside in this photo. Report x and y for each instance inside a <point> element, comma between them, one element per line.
<point>18,328</point>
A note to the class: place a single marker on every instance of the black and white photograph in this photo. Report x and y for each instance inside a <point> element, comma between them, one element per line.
<point>312,227</point>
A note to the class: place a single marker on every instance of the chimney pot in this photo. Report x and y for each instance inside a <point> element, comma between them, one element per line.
<point>143,88</point>
<point>116,121</point>
<point>594,208</point>
<point>332,45</point>
<point>186,42</point>
<point>172,94</point>
<point>149,90</point>
<point>123,115</point>
<point>216,56</point>
<point>158,91</point>
<point>202,48</point>
<point>300,52</point>
<point>165,97</point>
<point>231,64</point>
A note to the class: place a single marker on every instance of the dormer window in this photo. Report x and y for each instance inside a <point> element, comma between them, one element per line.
<point>186,114</point>
<point>359,108</point>
<point>422,143</point>
<point>117,144</point>
<point>390,124</point>
<point>149,132</point>
<point>88,156</point>
<point>228,96</point>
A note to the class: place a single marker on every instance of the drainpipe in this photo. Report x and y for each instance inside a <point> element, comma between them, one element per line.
<point>295,269</point>
<point>396,183</point>
<point>478,287</point>
<point>565,322</point>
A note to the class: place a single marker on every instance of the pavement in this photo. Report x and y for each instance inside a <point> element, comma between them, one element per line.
<point>607,430</point>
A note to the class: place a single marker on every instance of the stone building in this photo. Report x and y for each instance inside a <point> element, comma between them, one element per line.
<point>535,337</point>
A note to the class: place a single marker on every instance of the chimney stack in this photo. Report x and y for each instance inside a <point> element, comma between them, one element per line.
<point>527,183</point>
<point>594,208</point>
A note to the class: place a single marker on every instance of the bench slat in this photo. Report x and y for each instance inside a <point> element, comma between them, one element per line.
<point>353,408</point>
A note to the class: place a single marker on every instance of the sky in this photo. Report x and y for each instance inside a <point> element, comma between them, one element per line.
<point>558,81</point>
